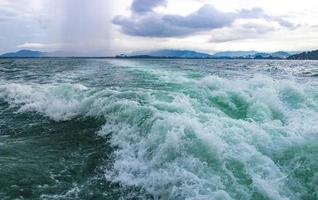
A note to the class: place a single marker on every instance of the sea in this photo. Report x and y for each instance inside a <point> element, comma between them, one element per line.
<point>179,129</point>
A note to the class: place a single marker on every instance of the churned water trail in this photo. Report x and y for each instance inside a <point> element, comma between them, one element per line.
<point>158,129</point>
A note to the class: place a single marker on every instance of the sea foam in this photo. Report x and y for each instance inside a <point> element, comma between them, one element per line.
<point>213,138</point>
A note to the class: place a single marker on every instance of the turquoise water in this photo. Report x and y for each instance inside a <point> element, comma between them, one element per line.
<point>158,129</point>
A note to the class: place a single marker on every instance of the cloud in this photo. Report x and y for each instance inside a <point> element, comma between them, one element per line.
<point>142,6</point>
<point>6,14</point>
<point>260,13</point>
<point>42,46</point>
<point>206,18</point>
<point>152,25</point>
<point>157,25</point>
<point>242,31</point>
<point>19,23</point>
<point>72,25</point>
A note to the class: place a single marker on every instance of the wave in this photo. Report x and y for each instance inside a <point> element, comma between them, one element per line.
<point>214,138</point>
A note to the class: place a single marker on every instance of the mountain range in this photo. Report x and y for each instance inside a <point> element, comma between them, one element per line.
<point>36,54</point>
<point>169,53</point>
<point>24,54</point>
<point>172,53</point>
<point>308,55</point>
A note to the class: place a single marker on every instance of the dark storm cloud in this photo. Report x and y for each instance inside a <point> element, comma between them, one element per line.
<point>152,24</point>
<point>156,25</point>
<point>142,6</point>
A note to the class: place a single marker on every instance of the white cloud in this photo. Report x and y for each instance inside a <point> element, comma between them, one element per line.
<point>244,30</point>
<point>86,25</point>
<point>267,34</point>
<point>39,46</point>
<point>207,17</point>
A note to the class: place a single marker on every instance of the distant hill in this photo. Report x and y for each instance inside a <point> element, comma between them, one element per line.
<point>281,54</point>
<point>166,53</point>
<point>234,54</point>
<point>252,54</point>
<point>309,55</point>
<point>24,54</point>
<point>171,54</point>
<point>39,54</point>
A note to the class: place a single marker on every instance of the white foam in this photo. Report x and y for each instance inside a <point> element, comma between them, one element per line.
<point>185,148</point>
<point>61,102</point>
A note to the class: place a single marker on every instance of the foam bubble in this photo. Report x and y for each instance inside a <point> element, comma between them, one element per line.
<point>217,138</point>
<point>57,102</point>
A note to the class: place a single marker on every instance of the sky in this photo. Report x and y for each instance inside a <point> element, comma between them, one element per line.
<point>105,28</point>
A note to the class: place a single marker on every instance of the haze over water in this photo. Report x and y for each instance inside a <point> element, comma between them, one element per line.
<point>158,129</point>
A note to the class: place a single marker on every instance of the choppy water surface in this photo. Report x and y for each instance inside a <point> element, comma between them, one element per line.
<point>158,129</point>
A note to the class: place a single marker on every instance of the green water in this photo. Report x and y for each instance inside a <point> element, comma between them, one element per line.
<point>158,129</point>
